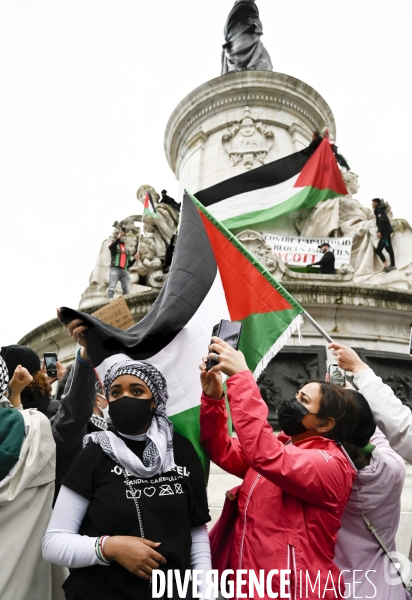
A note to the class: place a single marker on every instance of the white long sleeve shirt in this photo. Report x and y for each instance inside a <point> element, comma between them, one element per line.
<point>391,416</point>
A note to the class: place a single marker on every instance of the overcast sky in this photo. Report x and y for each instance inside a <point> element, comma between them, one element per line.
<point>87,87</point>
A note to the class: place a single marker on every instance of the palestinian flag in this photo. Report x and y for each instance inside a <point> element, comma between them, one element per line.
<point>212,277</point>
<point>149,207</point>
<point>262,195</point>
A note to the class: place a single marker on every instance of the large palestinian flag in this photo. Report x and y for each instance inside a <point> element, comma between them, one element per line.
<point>262,195</point>
<point>212,277</point>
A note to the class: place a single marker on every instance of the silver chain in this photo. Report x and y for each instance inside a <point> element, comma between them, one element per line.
<point>139,516</point>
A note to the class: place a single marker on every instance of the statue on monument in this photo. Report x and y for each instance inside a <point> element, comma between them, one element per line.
<point>243,50</point>
<point>347,217</point>
<point>163,227</point>
<point>155,235</point>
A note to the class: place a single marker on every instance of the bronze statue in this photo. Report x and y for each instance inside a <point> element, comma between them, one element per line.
<point>243,50</point>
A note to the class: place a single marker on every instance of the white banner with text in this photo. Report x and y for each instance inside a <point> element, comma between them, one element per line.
<point>301,252</point>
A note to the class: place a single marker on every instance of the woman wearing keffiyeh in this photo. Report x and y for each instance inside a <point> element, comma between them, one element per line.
<point>134,499</point>
<point>137,396</point>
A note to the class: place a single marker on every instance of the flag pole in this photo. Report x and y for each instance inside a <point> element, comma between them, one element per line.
<point>318,327</point>
<point>140,234</point>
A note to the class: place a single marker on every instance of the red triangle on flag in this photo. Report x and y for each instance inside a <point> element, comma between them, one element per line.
<point>322,172</point>
<point>247,291</point>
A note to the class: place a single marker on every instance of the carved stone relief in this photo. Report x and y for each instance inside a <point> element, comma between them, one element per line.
<point>248,141</point>
<point>257,245</point>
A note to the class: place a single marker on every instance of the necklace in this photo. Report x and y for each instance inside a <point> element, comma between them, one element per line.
<point>139,517</point>
<point>133,494</point>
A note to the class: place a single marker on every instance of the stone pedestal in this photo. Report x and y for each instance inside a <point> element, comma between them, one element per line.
<point>240,121</point>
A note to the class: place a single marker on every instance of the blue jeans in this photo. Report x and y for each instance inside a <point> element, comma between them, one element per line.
<point>118,274</point>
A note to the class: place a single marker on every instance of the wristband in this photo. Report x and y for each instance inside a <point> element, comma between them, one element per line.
<point>99,549</point>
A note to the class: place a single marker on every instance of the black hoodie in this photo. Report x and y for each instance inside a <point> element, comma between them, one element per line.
<point>382,220</point>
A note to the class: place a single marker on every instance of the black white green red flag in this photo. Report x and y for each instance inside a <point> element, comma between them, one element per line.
<point>212,277</point>
<point>284,186</point>
<point>148,206</point>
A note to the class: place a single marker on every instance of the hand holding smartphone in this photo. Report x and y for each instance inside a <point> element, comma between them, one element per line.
<point>229,332</point>
<point>337,375</point>
<point>50,360</point>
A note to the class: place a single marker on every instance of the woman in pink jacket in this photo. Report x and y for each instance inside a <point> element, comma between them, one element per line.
<point>295,487</point>
<point>376,494</point>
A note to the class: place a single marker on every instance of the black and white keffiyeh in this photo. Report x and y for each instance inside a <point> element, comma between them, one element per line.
<point>158,454</point>
<point>98,422</point>
<point>4,377</point>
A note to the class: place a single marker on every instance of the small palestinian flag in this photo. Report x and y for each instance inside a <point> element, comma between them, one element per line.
<point>212,277</point>
<point>260,196</point>
<point>149,207</point>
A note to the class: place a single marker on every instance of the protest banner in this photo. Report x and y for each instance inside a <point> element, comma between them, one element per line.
<point>300,251</point>
<point>116,313</point>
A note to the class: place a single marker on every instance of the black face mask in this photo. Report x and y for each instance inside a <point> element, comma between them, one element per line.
<point>130,415</point>
<point>290,415</point>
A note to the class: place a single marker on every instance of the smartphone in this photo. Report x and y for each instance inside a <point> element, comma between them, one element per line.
<point>337,375</point>
<point>229,332</point>
<point>50,359</point>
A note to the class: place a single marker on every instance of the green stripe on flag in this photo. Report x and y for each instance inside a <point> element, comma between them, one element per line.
<point>306,198</point>
<point>259,331</point>
<point>187,423</point>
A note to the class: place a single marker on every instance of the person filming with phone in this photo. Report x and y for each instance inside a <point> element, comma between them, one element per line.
<point>295,486</point>
<point>38,394</point>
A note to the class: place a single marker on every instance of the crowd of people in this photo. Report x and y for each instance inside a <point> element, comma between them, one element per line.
<point>97,491</point>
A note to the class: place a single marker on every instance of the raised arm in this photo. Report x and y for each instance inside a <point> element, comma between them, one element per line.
<point>391,416</point>
<point>76,407</point>
<point>225,451</point>
<point>76,403</point>
<point>302,472</point>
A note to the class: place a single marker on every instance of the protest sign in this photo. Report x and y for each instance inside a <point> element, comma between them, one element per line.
<point>116,313</point>
<point>300,251</point>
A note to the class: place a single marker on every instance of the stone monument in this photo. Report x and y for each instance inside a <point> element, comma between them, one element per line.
<point>249,116</point>
<point>240,121</point>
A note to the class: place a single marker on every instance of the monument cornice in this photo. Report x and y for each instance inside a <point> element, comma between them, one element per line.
<point>350,295</point>
<point>245,88</point>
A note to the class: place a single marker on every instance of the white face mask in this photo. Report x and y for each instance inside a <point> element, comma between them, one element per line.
<point>105,412</point>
